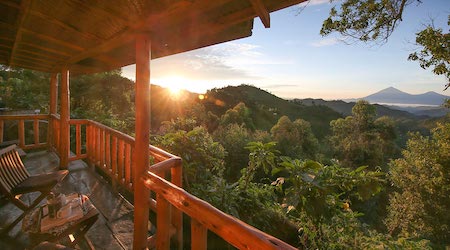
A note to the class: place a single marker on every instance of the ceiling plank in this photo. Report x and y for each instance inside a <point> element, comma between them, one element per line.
<point>105,11</point>
<point>10,4</point>
<point>46,55</point>
<point>63,25</point>
<point>45,48</point>
<point>262,12</point>
<point>24,7</point>
<point>123,38</point>
<point>53,40</point>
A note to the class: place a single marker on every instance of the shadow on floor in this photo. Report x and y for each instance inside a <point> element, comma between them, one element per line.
<point>113,229</point>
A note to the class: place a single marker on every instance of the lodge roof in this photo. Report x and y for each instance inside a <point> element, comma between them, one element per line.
<point>87,36</point>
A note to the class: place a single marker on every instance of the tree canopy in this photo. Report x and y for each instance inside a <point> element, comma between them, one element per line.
<point>373,21</point>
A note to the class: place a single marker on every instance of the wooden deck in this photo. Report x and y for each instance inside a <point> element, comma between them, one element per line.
<point>113,230</point>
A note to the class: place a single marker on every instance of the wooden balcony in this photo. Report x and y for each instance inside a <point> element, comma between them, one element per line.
<point>113,154</point>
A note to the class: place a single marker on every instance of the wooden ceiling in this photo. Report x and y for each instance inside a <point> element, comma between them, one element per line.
<point>88,36</point>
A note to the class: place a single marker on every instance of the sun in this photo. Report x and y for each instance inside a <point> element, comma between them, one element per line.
<point>175,84</point>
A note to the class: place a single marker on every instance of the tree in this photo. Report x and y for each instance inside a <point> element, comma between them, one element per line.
<point>361,139</point>
<point>419,206</point>
<point>376,20</point>
<point>435,51</point>
<point>240,114</point>
<point>22,89</point>
<point>234,138</point>
<point>203,158</point>
<point>104,97</point>
<point>295,139</point>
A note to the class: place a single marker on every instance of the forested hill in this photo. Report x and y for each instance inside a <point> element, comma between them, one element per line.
<point>267,108</point>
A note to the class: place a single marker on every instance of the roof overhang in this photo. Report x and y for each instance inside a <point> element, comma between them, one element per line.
<point>87,36</point>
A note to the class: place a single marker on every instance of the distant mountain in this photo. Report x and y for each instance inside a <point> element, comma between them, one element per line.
<point>345,108</point>
<point>392,95</point>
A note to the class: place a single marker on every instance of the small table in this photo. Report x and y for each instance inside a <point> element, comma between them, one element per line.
<point>77,228</point>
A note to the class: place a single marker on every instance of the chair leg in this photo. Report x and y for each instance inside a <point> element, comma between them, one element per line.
<point>25,212</point>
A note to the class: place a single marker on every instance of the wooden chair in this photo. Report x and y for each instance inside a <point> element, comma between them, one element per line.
<point>15,181</point>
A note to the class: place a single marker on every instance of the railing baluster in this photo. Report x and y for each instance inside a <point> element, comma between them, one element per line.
<point>78,139</point>
<point>21,133</point>
<point>114,157</point>
<point>199,235</point>
<point>162,225</point>
<point>102,149</point>
<point>177,215</point>
<point>128,165</point>
<point>108,152</point>
<point>120,162</point>
<point>1,130</point>
<point>36,131</point>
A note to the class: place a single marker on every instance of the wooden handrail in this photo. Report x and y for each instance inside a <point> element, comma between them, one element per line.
<point>35,118</point>
<point>232,230</point>
<point>24,117</point>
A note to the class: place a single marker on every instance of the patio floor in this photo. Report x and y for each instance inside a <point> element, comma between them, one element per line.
<point>113,229</point>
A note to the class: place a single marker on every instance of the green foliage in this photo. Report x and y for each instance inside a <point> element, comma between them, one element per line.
<point>240,114</point>
<point>419,206</point>
<point>345,231</point>
<point>361,140</point>
<point>202,157</point>
<point>295,139</point>
<point>262,156</point>
<point>234,138</point>
<point>435,51</point>
<point>22,89</point>
<point>365,20</point>
<point>105,98</point>
<point>320,191</point>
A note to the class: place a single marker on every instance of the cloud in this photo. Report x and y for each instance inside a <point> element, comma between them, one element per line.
<point>326,42</point>
<point>221,62</point>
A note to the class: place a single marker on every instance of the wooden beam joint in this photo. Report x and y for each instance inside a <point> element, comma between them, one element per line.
<point>261,11</point>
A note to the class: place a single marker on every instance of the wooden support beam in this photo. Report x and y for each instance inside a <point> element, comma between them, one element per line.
<point>142,131</point>
<point>53,108</point>
<point>64,126</point>
<point>53,94</point>
<point>24,7</point>
<point>261,11</point>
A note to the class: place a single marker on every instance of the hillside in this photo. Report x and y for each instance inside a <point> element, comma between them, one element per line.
<point>266,108</point>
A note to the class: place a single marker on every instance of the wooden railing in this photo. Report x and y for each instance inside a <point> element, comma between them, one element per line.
<point>203,217</point>
<point>113,153</point>
<point>22,121</point>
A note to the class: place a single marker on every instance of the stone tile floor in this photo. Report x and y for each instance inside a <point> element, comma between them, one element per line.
<point>113,229</point>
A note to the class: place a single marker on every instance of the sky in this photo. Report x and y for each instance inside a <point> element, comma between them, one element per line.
<point>292,60</point>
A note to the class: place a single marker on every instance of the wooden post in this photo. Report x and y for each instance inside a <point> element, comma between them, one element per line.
<point>53,109</point>
<point>64,127</point>
<point>142,131</point>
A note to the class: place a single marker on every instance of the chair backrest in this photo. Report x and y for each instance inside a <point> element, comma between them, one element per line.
<point>12,170</point>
